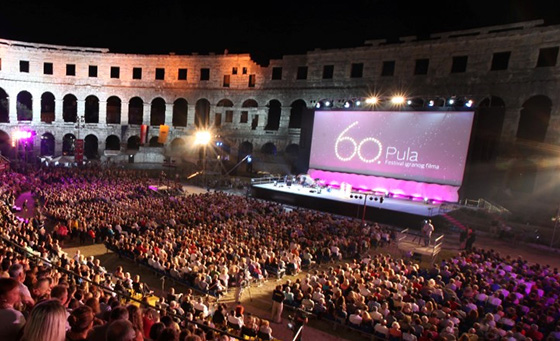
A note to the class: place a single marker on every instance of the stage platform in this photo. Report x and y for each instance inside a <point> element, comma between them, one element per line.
<point>406,213</point>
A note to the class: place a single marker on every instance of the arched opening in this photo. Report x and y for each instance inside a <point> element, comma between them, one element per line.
<point>489,120</point>
<point>68,144</point>
<point>292,150</point>
<point>224,112</point>
<point>47,107</point>
<point>177,145</point>
<point>135,111</point>
<point>24,106</point>
<point>180,112</point>
<point>47,144</point>
<point>69,108</point>
<point>157,112</point>
<point>534,119</point>
<point>4,107</point>
<point>154,142</point>
<point>296,113</point>
<point>274,114</point>
<point>269,149</point>
<point>112,142</point>
<point>114,106</point>
<point>5,143</point>
<point>202,114</point>
<point>91,147</point>
<point>245,148</point>
<point>133,143</point>
<point>91,112</point>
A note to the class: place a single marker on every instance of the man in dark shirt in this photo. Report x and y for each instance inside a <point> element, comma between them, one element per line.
<point>277,304</point>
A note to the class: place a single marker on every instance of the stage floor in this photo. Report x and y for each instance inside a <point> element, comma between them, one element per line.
<point>414,207</point>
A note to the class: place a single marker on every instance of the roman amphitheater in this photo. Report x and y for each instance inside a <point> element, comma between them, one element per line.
<point>117,103</point>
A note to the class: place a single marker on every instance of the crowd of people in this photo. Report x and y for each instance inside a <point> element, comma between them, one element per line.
<point>477,295</point>
<point>213,242</point>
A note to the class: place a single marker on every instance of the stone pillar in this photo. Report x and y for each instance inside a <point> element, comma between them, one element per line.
<point>124,113</point>
<point>511,124</point>
<point>12,111</point>
<point>103,112</point>
<point>190,117</point>
<point>169,114</point>
<point>58,119</point>
<point>146,113</point>
<point>36,108</point>
<point>284,118</point>
<point>80,109</point>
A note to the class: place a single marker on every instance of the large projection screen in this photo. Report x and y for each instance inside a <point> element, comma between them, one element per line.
<point>429,147</point>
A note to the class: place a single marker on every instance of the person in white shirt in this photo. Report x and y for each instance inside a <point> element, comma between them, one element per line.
<point>356,318</point>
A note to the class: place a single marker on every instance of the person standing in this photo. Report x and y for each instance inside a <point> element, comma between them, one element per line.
<point>427,231</point>
<point>471,237</point>
<point>277,304</point>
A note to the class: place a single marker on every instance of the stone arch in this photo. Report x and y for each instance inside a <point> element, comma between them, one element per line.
<point>48,143</point>
<point>273,116</point>
<point>68,144</point>
<point>292,150</point>
<point>91,110</point>
<point>5,143</point>
<point>534,119</point>
<point>297,110</point>
<point>133,142</point>
<point>47,107</point>
<point>202,114</point>
<point>154,142</point>
<point>245,148</point>
<point>136,111</point>
<point>180,112</point>
<point>269,148</point>
<point>69,108</point>
<point>24,106</point>
<point>177,145</point>
<point>157,112</point>
<point>246,106</point>
<point>489,120</point>
<point>4,107</point>
<point>224,112</point>
<point>91,147</point>
<point>114,107</point>
<point>112,142</point>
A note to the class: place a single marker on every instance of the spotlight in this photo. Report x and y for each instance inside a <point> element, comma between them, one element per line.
<point>347,104</point>
<point>397,100</point>
<point>431,103</point>
<point>318,105</point>
<point>469,103</point>
<point>358,103</point>
<point>451,101</point>
<point>249,159</point>
<point>372,100</point>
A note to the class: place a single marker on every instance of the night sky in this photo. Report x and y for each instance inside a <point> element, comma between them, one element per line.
<point>263,29</point>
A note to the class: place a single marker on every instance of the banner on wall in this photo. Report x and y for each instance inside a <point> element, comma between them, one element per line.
<point>143,134</point>
<point>163,132</point>
<point>79,150</point>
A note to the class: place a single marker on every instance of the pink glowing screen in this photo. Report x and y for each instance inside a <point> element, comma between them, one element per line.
<point>428,147</point>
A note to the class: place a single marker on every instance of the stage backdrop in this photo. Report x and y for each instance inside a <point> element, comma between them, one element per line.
<point>423,147</point>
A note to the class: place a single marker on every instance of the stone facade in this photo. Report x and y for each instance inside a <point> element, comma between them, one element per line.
<point>510,72</point>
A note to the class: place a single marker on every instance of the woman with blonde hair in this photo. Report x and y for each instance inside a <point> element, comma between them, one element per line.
<point>47,322</point>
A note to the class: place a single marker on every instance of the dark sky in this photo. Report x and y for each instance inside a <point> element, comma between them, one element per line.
<point>267,29</point>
